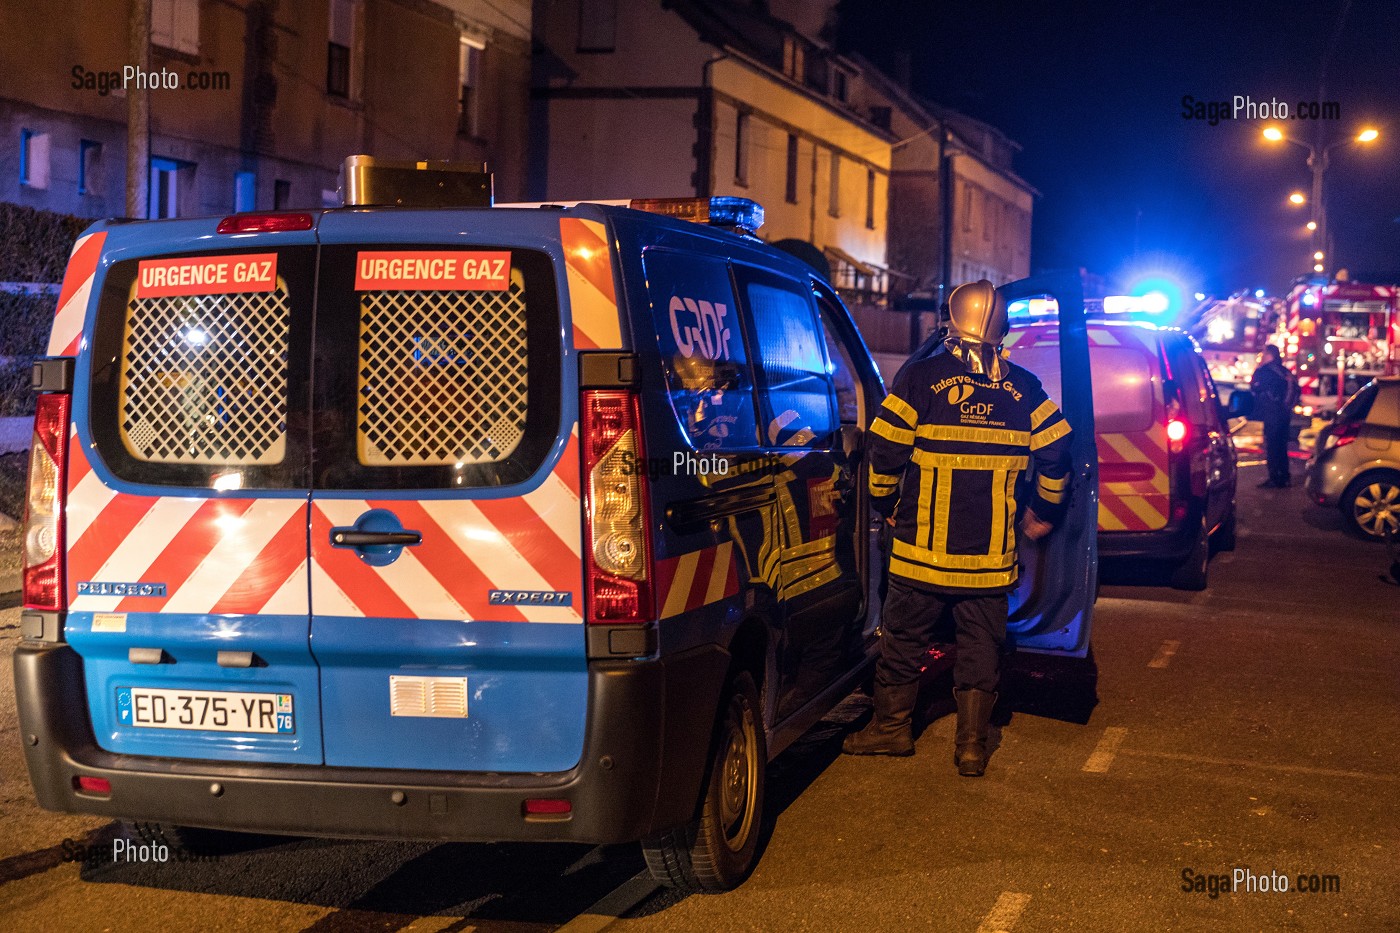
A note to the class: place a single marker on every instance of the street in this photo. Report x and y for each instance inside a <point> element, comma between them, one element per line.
<point>1250,727</point>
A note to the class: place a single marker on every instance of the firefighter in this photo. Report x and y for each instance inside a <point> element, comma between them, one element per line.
<point>948,463</point>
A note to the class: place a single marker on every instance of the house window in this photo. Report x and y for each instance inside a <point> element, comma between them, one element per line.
<point>597,26</point>
<point>168,177</point>
<point>245,187</point>
<point>469,79</point>
<point>967,208</point>
<point>175,25</point>
<point>989,216</point>
<point>881,117</point>
<point>833,203</point>
<point>870,199</point>
<point>840,85</point>
<point>741,148</point>
<point>281,194</point>
<point>343,51</point>
<point>89,165</point>
<point>792,169</point>
<point>794,59</point>
<point>33,159</point>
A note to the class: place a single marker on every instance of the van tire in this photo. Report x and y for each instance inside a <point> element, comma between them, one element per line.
<point>1192,572</point>
<point>193,840</point>
<point>716,851</point>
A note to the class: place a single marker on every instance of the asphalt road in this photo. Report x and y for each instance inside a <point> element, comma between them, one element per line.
<point>1252,726</point>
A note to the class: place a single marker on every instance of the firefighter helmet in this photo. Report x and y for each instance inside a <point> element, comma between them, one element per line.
<point>976,311</point>
<point>977,324</point>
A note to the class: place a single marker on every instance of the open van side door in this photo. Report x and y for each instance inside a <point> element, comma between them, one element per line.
<point>1052,608</point>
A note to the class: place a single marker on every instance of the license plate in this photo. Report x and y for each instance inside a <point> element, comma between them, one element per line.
<point>205,710</point>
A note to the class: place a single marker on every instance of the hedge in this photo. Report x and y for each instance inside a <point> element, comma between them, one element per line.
<point>24,334</point>
<point>34,247</point>
<point>34,244</point>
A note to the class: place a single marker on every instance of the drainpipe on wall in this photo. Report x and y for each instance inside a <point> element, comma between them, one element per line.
<point>138,114</point>
<point>706,132</point>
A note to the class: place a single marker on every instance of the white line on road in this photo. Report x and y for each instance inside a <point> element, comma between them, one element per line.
<point>1164,654</point>
<point>612,905</point>
<point>1004,913</point>
<point>1103,752</point>
<point>1266,766</point>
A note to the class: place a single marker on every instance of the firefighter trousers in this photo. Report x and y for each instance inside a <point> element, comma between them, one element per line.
<point>911,622</point>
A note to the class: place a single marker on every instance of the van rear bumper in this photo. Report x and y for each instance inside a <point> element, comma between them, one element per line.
<point>645,750</point>
<point>1171,543</point>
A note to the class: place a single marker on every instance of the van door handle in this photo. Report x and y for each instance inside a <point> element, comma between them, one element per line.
<point>364,538</point>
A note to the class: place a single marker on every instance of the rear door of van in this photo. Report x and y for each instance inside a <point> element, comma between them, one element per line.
<point>187,490</point>
<point>445,526</point>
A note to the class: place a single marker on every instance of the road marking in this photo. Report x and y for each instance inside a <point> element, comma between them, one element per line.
<point>612,905</point>
<point>1164,654</point>
<point>1004,913</point>
<point>1246,763</point>
<point>436,925</point>
<point>1103,752</point>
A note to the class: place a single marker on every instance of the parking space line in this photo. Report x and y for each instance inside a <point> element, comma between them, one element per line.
<point>1266,766</point>
<point>1103,753</point>
<point>612,905</point>
<point>1164,654</point>
<point>1004,913</point>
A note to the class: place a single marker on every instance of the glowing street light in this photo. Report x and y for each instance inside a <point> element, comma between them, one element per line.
<point>1318,255</point>
<point>1317,267</point>
<point>1317,163</point>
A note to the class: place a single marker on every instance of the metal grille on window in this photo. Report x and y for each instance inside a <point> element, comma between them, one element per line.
<point>204,379</point>
<point>442,376</point>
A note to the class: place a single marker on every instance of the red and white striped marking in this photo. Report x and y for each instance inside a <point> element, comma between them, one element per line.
<point>470,547</point>
<point>213,555</point>
<point>696,579</point>
<point>66,336</point>
<point>592,293</point>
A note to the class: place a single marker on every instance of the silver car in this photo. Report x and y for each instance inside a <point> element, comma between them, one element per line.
<point>1355,463</point>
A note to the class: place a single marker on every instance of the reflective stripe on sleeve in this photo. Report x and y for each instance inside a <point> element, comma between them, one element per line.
<point>902,436</point>
<point>901,409</point>
<point>1050,435</point>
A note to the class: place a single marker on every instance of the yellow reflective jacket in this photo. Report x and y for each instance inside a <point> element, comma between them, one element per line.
<point>949,457</point>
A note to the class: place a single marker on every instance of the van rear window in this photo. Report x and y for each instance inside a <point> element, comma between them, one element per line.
<point>435,368</point>
<point>1121,377</point>
<point>196,374</point>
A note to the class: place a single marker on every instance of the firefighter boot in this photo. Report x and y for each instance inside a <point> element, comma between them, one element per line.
<point>891,732</point>
<point>974,716</point>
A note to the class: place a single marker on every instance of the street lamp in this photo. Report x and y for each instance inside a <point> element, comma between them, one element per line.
<point>1312,225</point>
<point>1297,198</point>
<point>1317,162</point>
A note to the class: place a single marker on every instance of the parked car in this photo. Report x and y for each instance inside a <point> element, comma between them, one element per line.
<point>1166,458</point>
<point>1355,463</point>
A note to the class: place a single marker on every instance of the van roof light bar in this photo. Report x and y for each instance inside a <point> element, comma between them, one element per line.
<point>739,214</point>
<point>369,182</point>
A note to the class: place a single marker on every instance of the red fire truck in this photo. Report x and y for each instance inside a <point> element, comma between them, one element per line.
<point>1351,328</point>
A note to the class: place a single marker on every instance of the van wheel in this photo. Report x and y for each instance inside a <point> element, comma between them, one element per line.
<point>1190,574</point>
<point>1371,505</point>
<point>717,851</point>
<point>194,840</point>
<point>1224,538</point>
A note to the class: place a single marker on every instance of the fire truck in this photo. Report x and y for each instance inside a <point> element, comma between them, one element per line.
<point>1341,332</point>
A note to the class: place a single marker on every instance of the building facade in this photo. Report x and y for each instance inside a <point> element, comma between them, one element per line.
<point>269,97</point>
<point>675,99</point>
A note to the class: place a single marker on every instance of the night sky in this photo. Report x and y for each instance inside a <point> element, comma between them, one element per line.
<point>1093,92</point>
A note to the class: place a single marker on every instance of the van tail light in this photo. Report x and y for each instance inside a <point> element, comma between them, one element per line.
<point>43,508</point>
<point>1342,435</point>
<point>617,539</point>
<point>1177,432</point>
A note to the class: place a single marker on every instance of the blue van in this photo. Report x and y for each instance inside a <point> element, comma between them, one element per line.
<point>445,523</point>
